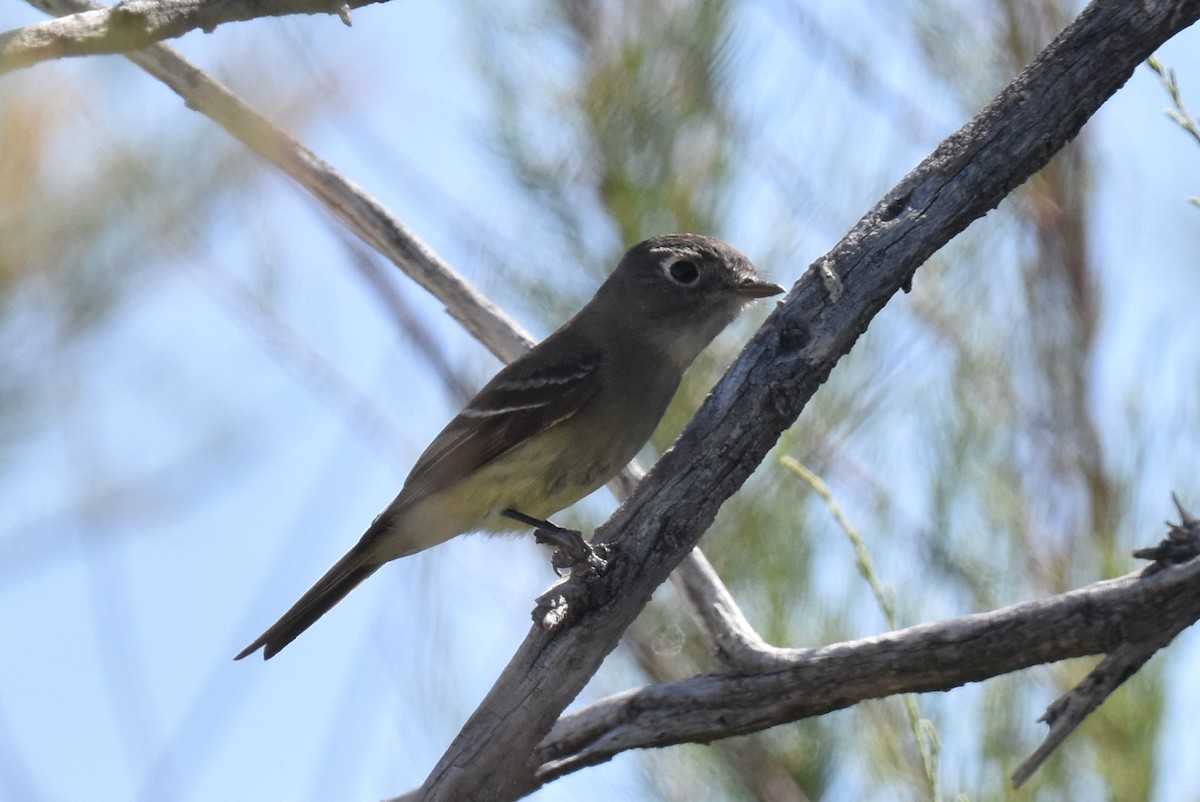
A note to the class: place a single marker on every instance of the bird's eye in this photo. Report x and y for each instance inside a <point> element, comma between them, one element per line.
<point>682,271</point>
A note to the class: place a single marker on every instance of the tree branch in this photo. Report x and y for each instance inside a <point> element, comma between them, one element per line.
<point>134,24</point>
<point>734,644</point>
<point>1181,546</point>
<point>767,387</point>
<point>362,214</point>
<point>1110,616</point>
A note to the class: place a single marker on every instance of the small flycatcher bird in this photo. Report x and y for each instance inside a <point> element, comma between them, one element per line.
<point>561,420</point>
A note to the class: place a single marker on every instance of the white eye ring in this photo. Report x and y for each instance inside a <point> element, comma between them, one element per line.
<point>681,269</point>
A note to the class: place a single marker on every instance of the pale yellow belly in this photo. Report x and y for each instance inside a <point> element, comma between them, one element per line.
<point>536,480</point>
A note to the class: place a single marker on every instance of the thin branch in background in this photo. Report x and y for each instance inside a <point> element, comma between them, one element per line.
<point>362,214</point>
<point>884,598</point>
<point>356,408</point>
<point>202,723</point>
<point>861,72</point>
<point>735,646</point>
<point>142,499</point>
<point>795,184</point>
<point>1179,114</point>
<point>923,732</point>
<point>409,327</point>
<point>491,244</point>
<point>768,776</point>
<point>119,646</point>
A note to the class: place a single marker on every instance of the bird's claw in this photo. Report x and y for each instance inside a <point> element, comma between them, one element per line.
<point>571,551</point>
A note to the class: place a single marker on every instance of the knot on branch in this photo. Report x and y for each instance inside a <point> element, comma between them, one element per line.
<point>1181,544</point>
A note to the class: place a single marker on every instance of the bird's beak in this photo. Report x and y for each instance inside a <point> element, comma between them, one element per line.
<point>755,287</point>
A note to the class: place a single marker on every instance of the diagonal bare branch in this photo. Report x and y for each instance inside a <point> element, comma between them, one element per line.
<point>362,214</point>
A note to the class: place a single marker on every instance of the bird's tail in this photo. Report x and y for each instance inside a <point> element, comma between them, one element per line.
<point>330,589</point>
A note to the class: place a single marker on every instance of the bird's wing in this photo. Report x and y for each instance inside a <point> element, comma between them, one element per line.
<point>527,397</point>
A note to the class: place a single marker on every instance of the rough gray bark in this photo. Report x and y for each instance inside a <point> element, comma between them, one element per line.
<point>134,24</point>
<point>800,683</point>
<point>764,391</point>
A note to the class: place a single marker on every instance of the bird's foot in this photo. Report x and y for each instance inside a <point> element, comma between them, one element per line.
<point>585,562</point>
<point>572,553</point>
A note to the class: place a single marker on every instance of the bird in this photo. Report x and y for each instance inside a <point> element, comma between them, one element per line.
<point>558,422</point>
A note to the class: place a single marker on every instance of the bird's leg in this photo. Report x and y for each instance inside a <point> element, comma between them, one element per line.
<point>570,549</point>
